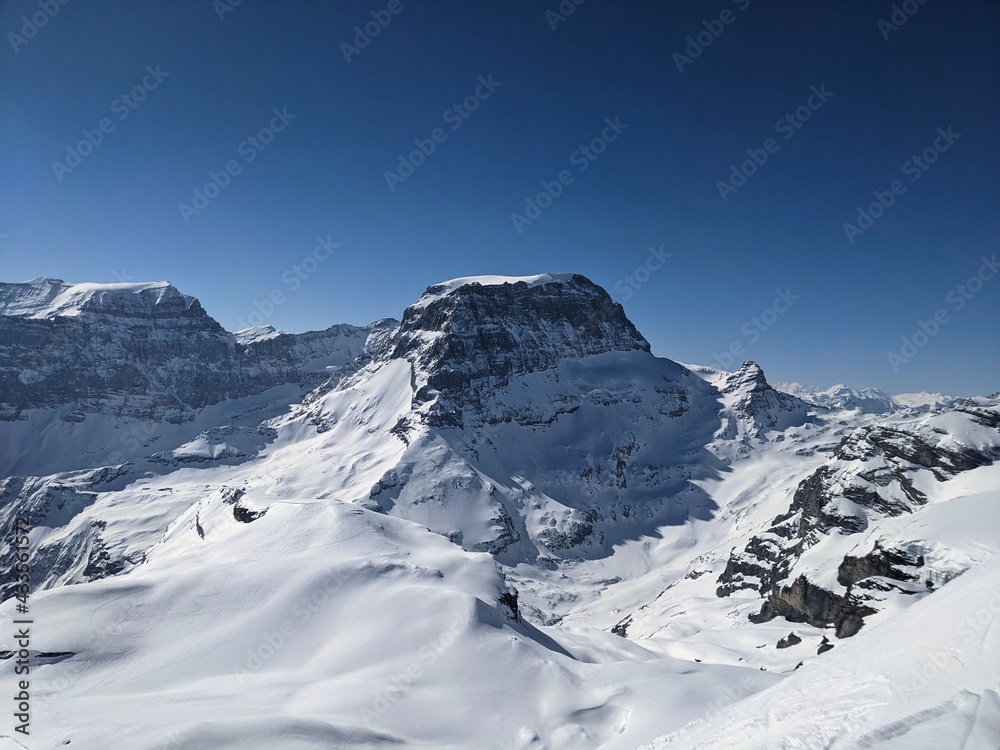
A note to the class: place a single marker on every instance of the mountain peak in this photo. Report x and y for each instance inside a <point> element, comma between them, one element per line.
<point>754,400</point>
<point>750,377</point>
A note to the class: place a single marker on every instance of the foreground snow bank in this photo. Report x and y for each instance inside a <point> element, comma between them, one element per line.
<point>927,678</point>
<point>302,623</point>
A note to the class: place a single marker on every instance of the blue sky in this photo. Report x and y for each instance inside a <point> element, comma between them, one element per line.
<point>763,267</point>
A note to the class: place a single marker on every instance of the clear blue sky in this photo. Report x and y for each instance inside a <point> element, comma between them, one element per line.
<point>116,213</point>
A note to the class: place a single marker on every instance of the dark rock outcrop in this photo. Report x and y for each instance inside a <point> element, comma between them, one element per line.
<point>508,599</point>
<point>789,640</point>
<point>887,563</point>
<point>803,601</point>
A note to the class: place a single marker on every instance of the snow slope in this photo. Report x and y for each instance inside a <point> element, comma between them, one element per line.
<point>924,680</point>
<point>320,624</point>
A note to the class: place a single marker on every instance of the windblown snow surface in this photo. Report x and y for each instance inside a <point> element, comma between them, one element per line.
<point>341,571</point>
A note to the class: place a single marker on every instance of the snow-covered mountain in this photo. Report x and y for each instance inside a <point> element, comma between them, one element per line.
<point>868,400</point>
<point>502,503</point>
<point>923,401</point>
<point>844,398</point>
<point>97,373</point>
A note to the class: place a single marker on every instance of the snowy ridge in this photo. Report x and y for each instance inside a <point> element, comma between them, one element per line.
<point>48,298</point>
<point>923,401</point>
<point>254,334</point>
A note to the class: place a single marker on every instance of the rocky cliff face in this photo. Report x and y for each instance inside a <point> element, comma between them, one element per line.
<point>879,471</point>
<point>144,351</point>
<point>467,339</point>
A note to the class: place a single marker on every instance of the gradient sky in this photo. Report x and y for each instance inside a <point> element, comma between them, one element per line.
<point>116,215</point>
